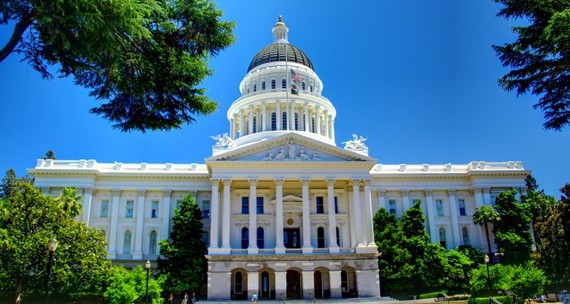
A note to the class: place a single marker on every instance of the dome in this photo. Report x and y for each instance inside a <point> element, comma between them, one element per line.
<point>276,52</point>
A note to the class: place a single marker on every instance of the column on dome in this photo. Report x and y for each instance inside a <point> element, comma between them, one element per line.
<point>226,222</point>
<point>278,118</point>
<point>454,217</point>
<point>357,212</point>
<point>307,247</point>
<point>431,216</point>
<point>333,246</point>
<point>241,123</point>
<point>306,126</point>
<point>264,116</point>
<point>165,213</point>
<point>214,214</point>
<point>252,248</point>
<point>279,248</point>
<point>141,195</point>
<point>250,120</point>
<point>318,120</point>
<point>332,130</point>
<point>87,200</point>
<point>326,123</point>
<point>114,222</point>
<point>406,199</point>
<point>290,114</point>
<point>368,212</point>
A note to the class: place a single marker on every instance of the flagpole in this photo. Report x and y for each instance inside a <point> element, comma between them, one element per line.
<point>288,85</point>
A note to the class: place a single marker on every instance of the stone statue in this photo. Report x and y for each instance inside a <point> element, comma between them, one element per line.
<point>223,142</point>
<point>356,143</point>
<point>291,146</point>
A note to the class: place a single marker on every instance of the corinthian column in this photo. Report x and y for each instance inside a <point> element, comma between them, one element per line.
<point>333,246</point>
<point>279,248</point>
<point>357,212</point>
<point>226,216</point>
<point>252,248</point>
<point>214,215</point>
<point>307,247</point>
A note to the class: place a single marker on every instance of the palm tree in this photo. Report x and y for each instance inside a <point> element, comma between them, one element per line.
<point>69,202</point>
<point>483,216</point>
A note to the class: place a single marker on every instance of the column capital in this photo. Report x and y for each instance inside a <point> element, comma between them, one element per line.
<point>89,190</point>
<point>355,182</point>
<point>252,181</point>
<point>116,192</point>
<point>367,182</point>
<point>215,182</point>
<point>305,181</point>
<point>141,192</point>
<point>279,182</point>
<point>429,192</point>
<point>486,189</point>
<point>405,192</point>
<point>381,192</point>
<point>166,192</point>
<point>452,192</point>
<point>227,182</point>
<point>330,181</point>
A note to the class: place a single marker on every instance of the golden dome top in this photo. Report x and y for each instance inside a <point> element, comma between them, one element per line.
<point>280,21</point>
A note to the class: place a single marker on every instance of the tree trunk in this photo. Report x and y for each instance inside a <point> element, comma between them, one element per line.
<point>19,30</point>
<point>488,239</point>
<point>18,291</point>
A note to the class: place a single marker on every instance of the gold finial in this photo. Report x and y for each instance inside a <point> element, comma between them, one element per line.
<point>280,21</point>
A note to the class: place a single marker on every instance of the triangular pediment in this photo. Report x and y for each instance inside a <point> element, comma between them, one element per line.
<point>291,147</point>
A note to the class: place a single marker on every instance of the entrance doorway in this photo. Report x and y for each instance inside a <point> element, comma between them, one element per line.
<point>293,284</point>
<point>292,238</point>
<point>318,277</point>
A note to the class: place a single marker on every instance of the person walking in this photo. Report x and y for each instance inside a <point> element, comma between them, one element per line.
<point>185,300</point>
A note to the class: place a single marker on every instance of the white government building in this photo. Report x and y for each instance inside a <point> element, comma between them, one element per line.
<point>288,213</point>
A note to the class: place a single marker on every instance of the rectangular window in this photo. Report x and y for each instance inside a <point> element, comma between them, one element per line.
<point>439,207</point>
<point>178,202</point>
<point>245,205</point>
<point>461,203</point>
<point>320,205</point>
<point>104,208</point>
<point>392,207</point>
<point>205,209</point>
<point>259,205</point>
<point>154,209</point>
<point>336,205</point>
<point>129,209</point>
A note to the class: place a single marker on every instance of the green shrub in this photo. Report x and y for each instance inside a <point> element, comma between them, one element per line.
<point>432,295</point>
<point>485,300</point>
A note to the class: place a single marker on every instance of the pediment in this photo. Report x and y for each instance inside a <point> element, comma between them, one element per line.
<point>290,148</point>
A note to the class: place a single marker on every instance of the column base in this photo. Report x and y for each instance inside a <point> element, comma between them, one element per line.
<point>219,251</point>
<point>334,249</point>
<point>307,250</point>
<point>137,256</point>
<point>252,250</point>
<point>111,255</point>
<point>371,249</point>
<point>280,250</point>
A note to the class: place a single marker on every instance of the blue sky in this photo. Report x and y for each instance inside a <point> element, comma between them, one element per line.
<point>417,78</point>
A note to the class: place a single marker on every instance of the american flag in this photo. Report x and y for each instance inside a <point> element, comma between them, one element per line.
<point>295,79</point>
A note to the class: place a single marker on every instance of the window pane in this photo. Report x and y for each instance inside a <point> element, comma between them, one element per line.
<point>260,205</point>
<point>205,209</point>
<point>245,205</point>
<point>104,208</point>
<point>129,210</point>
<point>320,205</point>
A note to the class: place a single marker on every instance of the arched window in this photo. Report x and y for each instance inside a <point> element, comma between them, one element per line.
<point>254,124</point>
<point>337,236</point>
<point>344,280</point>
<point>244,238</point>
<point>260,238</point>
<point>312,125</point>
<point>273,121</point>
<point>255,87</point>
<point>152,243</point>
<point>311,88</point>
<point>273,84</point>
<point>303,85</point>
<point>238,283</point>
<point>127,242</point>
<point>263,85</point>
<point>284,121</point>
<point>304,124</point>
<point>465,233</point>
<point>320,237</point>
<point>296,121</point>
<point>442,237</point>
<point>283,84</point>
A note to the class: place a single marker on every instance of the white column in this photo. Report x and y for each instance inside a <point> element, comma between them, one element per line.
<point>352,218</point>
<point>332,130</point>
<point>431,216</point>
<point>252,284</point>
<point>278,119</point>
<point>114,222</point>
<point>137,254</point>
<point>214,215</point>
<point>307,248</point>
<point>165,213</point>
<point>87,200</point>
<point>336,291</point>
<point>226,223</point>
<point>406,199</point>
<point>242,130</point>
<point>264,117</point>
<point>318,120</point>
<point>250,119</point>
<point>368,212</point>
<point>357,213</point>
<point>382,199</point>
<point>252,248</point>
<point>308,284</point>
<point>326,130</point>
<point>307,128</point>
<point>333,246</point>
<point>280,285</point>
<point>454,217</point>
<point>279,247</point>
<point>290,116</point>
<point>487,196</point>
<point>478,195</point>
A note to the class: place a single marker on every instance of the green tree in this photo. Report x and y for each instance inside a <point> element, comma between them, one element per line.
<point>512,234</point>
<point>29,219</point>
<point>539,207</point>
<point>69,202</point>
<point>8,181</point>
<point>127,287</point>
<point>555,240</point>
<point>539,57</point>
<point>146,58</point>
<point>484,216</point>
<point>49,155</point>
<point>185,264</point>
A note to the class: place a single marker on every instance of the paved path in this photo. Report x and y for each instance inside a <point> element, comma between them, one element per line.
<point>379,300</point>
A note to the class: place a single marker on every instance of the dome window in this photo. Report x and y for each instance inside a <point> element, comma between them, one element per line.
<point>303,86</point>
<point>263,86</point>
<point>311,88</point>
<point>273,84</point>
<point>283,84</point>
<point>255,87</point>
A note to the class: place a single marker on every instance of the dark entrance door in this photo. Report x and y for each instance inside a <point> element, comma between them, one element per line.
<point>265,285</point>
<point>292,238</point>
<point>318,285</point>
<point>293,284</point>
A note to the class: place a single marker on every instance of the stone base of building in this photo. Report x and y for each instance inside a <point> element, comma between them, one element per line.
<point>287,277</point>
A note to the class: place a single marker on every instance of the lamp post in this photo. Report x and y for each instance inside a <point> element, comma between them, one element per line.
<point>487,260</point>
<point>147,266</point>
<point>52,246</point>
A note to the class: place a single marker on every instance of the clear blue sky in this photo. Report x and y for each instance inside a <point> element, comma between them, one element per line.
<point>417,78</point>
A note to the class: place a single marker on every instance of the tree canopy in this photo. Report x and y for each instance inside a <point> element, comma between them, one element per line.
<point>540,57</point>
<point>144,59</point>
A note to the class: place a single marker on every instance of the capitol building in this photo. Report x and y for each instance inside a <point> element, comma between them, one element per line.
<point>287,208</point>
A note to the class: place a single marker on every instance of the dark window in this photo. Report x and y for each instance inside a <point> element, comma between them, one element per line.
<point>283,84</point>
<point>462,208</point>
<point>205,209</point>
<point>303,85</point>
<point>245,205</point>
<point>320,237</point>
<point>336,205</point>
<point>337,236</point>
<point>296,121</point>
<point>238,286</point>
<point>320,205</point>
<point>255,87</point>
<point>254,124</point>
<point>244,238</point>
<point>284,121</point>
<point>263,85</point>
<point>273,84</point>
<point>260,238</point>
<point>344,280</point>
<point>273,121</point>
<point>260,205</point>
<point>392,207</point>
